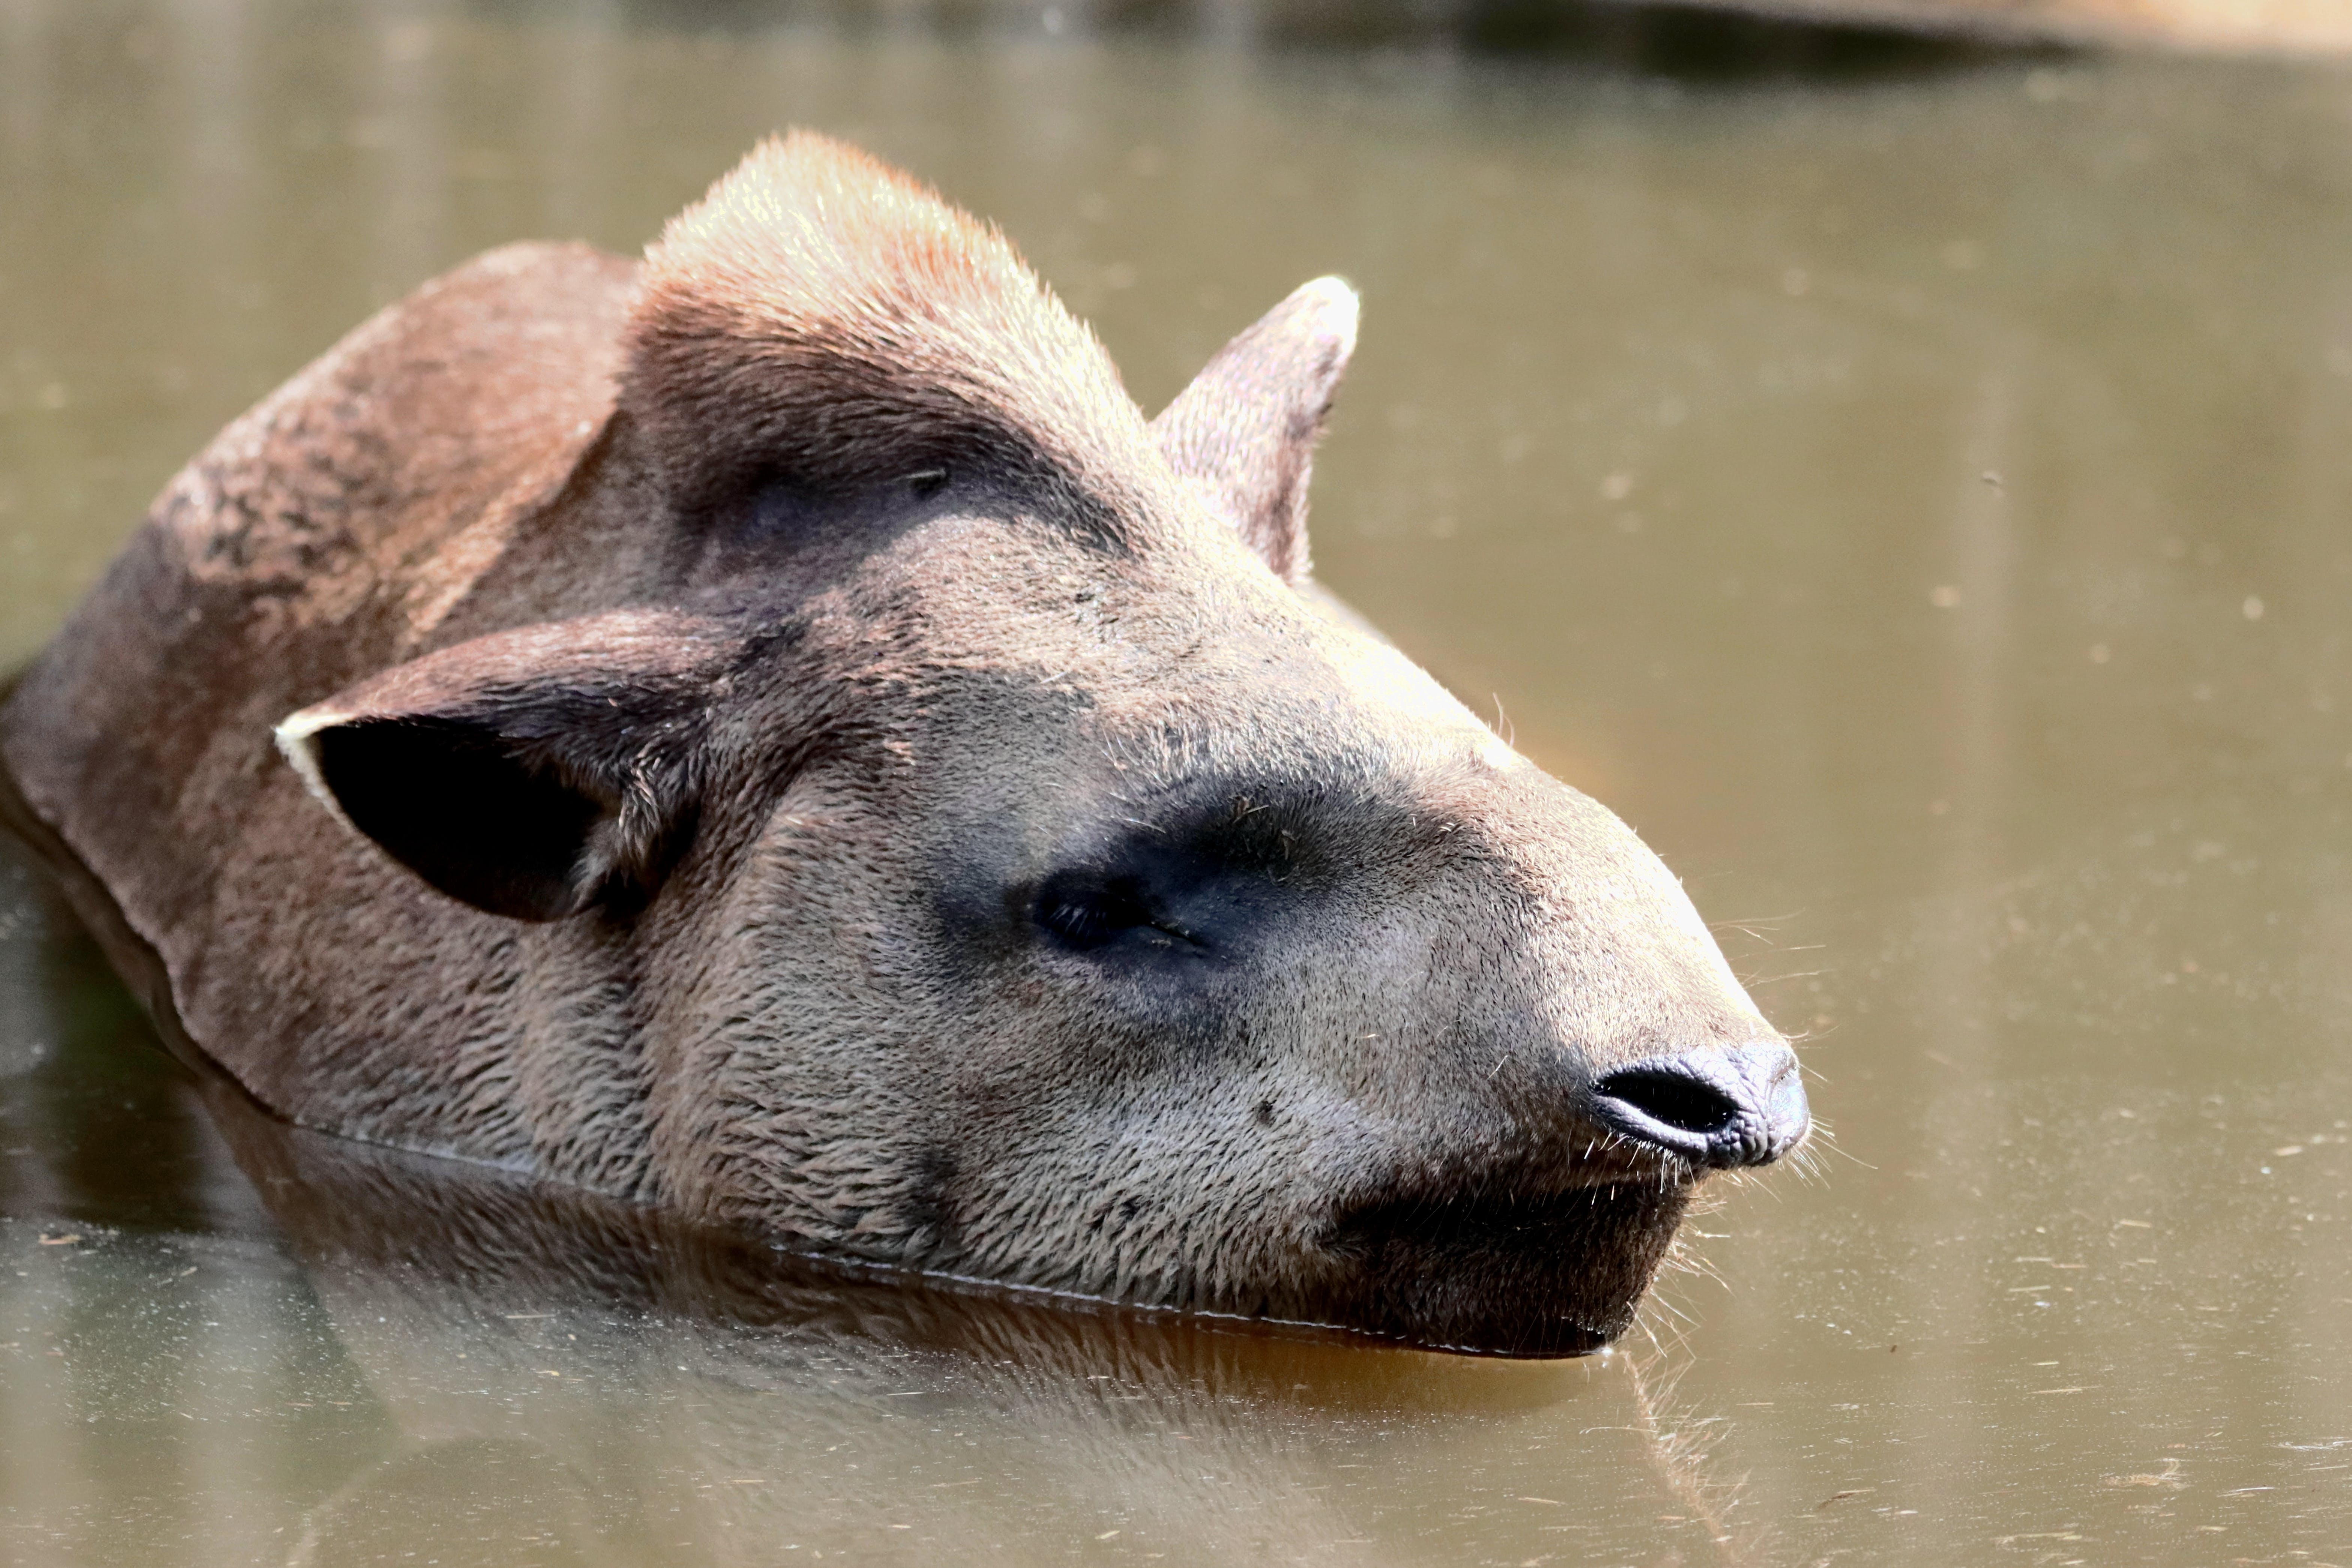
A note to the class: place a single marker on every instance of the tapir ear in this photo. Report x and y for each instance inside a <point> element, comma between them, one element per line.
<point>530,773</point>
<point>1245,429</point>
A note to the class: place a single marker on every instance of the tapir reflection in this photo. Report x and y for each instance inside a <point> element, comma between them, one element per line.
<point>580,1381</point>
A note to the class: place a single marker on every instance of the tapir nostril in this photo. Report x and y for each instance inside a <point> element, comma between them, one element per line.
<point>1679,1100</point>
<point>1743,1106</point>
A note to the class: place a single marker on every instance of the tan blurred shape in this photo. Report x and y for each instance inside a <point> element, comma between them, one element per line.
<point>2234,26</point>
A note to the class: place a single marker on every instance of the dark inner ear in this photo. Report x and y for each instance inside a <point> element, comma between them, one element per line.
<point>459,807</point>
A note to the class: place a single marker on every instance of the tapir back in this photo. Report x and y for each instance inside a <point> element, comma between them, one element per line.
<point>351,521</point>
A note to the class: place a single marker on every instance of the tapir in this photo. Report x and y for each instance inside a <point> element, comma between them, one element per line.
<point>772,732</point>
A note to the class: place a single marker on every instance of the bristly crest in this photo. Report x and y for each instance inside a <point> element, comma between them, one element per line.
<point>819,316</point>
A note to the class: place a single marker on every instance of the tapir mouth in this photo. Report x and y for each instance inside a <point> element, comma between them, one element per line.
<point>1507,1273</point>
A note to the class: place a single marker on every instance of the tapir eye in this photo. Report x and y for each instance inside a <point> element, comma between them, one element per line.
<point>1088,912</point>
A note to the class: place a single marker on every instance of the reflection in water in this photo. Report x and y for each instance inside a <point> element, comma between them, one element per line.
<point>630,1365</point>
<point>1670,433</point>
<point>474,1368</point>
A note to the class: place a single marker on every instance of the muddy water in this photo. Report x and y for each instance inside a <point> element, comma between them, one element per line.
<point>1917,494</point>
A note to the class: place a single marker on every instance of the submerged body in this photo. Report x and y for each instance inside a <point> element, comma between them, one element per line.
<point>771,732</point>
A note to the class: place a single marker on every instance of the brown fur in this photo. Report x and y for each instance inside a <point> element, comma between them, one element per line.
<point>821,315</point>
<point>765,676</point>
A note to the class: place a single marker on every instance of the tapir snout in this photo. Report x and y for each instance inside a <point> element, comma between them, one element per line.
<point>1718,1110</point>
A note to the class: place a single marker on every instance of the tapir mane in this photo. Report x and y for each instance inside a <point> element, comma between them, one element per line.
<point>819,317</point>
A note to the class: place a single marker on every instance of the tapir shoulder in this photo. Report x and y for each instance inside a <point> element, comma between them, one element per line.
<point>316,539</point>
<point>451,412</point>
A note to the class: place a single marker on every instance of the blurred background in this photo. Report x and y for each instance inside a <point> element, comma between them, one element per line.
<point>1904,470</point>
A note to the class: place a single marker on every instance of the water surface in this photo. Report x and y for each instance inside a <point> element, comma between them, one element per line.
<point>1915,494</point>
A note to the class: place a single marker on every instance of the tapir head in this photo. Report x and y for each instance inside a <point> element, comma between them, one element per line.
<point>1027,876</point>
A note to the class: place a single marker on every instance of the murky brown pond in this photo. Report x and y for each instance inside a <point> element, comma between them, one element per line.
<point>1917,494</point>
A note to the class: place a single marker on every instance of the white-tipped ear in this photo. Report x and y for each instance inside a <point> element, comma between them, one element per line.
<point>1245,429</point>
<point>529,773</point>
<point>297,736</point>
